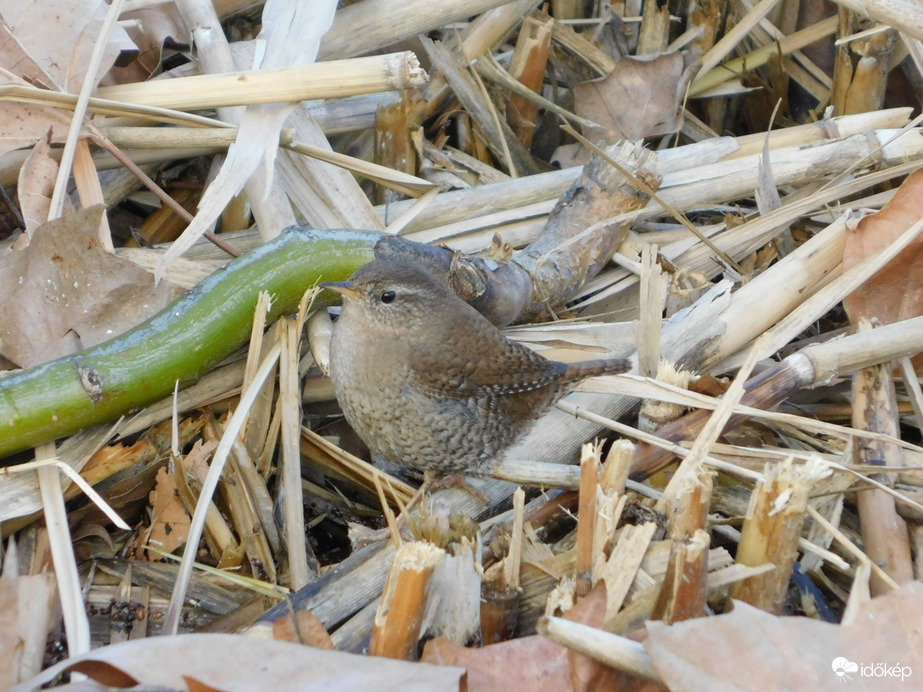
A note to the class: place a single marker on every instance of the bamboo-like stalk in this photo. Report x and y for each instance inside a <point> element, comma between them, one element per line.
<point>363,27</point>
<point>771,532</point>
<point>801,135</point>
<point>870,77</point>
<point>500,595</point>
<point>617,466</point>
<point>619,652</point>
<point>586,528</point>
<point>813,364</point>
<point>735,68</point>
<point>528,67</point>
<point>655,29</point>
<point>884,533</point>
<point>399,619</point>
<point>684,589</point>
<point>905,15</point>
<point>307,82</point>
<point>699,186</point>
<point>302,563</point>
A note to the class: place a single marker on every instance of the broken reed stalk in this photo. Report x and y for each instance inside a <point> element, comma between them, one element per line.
<point>683,592</point>
<point>884,533</point>
<point>394,71</point>
<point>617,466</point>
<point>500,595</point>
<point>813,364</point>
<point>399,619</point>
<point>619,652</point>
<point>691,466</point>
<point>685,586</point>
<point>620,569</point>
<point>586,527</point>
<point>528,67</point>
<point>772,529</point>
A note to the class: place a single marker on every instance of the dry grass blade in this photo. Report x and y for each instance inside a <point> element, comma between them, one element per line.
<point>234,426</point>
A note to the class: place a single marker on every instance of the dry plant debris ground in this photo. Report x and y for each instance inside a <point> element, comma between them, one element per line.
<point>727,190</point>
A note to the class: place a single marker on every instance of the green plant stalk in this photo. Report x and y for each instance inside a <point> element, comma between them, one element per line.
<point>182,342</point>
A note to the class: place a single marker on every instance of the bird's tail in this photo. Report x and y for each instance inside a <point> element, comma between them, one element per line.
<point>595,368</point>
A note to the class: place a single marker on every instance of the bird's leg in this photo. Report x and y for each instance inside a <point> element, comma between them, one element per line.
<point>432,481</point>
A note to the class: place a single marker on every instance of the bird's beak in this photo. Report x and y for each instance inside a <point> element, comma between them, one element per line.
<point>344,288</point>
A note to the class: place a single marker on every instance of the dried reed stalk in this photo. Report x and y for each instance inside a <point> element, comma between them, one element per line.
<point>586,527</point>
<point>399,620</point>
<point>884,533</point>
<point>619,652</point>
<point>394,71</point>
<point>771,532</point>
<point>501,592</point>
<point>685,584</point>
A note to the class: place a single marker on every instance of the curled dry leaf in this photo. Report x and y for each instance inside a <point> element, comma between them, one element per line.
<point>151,29</point>
<point>48,43</point>
<point>36,185</point>
<point>28,605</point>
<point>57,38</point>
<point>245,664</point>
<point>64,292</point>
<point>535,663</point>
<point>896,292</point>
<point>759,651</point>
<point>641,97</point>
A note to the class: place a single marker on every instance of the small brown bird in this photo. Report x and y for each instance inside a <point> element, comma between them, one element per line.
<point>428,382</point>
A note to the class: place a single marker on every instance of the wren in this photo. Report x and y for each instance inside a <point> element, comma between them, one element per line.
<point>428,382</point>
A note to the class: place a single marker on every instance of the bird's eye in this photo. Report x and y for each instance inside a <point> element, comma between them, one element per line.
<point>388,296</point>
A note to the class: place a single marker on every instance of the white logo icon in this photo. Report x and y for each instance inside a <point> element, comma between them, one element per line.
<point>843,667</point>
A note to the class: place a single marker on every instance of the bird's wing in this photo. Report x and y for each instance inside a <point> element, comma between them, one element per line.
<point>492,366</point>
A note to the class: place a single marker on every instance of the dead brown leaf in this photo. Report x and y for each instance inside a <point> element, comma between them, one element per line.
<point>169,521</point>
<point>896,292</point>
<point>24,124</point>
<point>27,608</point>
<point>150,28</point>
<point>64,292</point>
<point>47,43</point>
<point>36,185</point>
<point>52,41</point>
<point>302,627</point>
<point>535,663</point>
<point>245,664</point>
<point>759,651</point>
<point>641,97</point>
